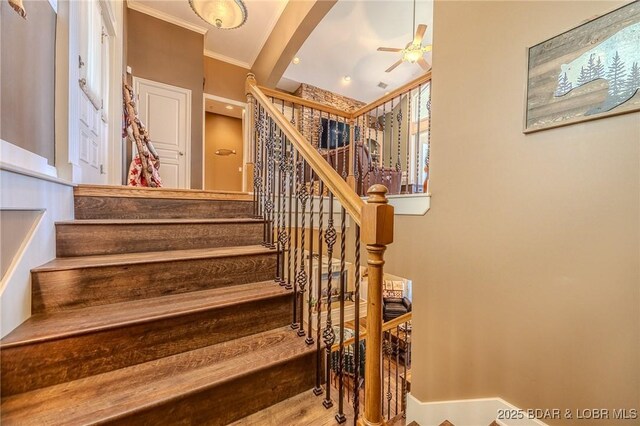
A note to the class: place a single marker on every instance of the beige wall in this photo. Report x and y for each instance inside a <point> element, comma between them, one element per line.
<point>527,267</point>
<point>224,79</point>
<point>160,51</point>
<point>27,77</point>
<point>221,172</point>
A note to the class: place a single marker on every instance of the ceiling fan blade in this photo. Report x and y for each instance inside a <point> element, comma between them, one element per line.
<point>389,49</point>
<point>392,67</point>
<point>422,28</point>
<point>424,64</point>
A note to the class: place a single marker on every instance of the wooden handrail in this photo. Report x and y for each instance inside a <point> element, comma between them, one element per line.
<point>385,327</point>
<point>340,189</point>
<point>346,114</point>
<point>392,95</point>
<point>306,102</point>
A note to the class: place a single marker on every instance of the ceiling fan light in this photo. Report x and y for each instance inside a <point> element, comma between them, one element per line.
<point>223,14</point>
<point>412,54</point>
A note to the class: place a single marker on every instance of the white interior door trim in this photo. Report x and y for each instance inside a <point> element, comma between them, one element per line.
<point>136,84</point>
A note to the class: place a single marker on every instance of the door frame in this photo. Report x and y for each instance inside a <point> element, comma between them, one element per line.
<point>135,81</point>
<point>245,139</point>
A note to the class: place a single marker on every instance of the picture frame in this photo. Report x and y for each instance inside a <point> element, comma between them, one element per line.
<point>589,72</point>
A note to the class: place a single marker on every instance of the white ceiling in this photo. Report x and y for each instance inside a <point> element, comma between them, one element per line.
<point>239,46</point>
<point>345,43</point>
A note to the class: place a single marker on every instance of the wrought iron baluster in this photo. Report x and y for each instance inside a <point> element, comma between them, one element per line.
<point>399,117</point>
<point>418,140</point>
<point>409,102</point>
<point>345,149</point>
<point>390,119</point>
<point>318,389</point>
<point>271,176</point>
<point>428,154</point>
<point>397,349</point>
<point>383,128</point>
<point>356,347</point>
<point>301,275</point>
<point>404,366</point>
<point>309,339</point>
<point>278,198</point>
<point>340,417</point>
<point>389,353</point>
<point>329,334</point>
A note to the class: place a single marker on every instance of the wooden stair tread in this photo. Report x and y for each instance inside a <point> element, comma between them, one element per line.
<point>142,192</point>
<point>43,327</point>
<point>114,394</point>
<point>64,263</point>
<point>157,221</point>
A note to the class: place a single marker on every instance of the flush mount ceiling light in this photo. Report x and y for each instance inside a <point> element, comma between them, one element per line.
<point>229,107</point>
<point>296,60</point>
<point>223,14</point>
<point>347,78</point>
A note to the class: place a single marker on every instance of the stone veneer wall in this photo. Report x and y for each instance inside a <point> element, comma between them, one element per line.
<point>310,123</point>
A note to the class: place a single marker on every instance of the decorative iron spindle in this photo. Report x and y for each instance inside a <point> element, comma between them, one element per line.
<point>428,154</point>
<point>290,191</point>
<point>309,339</point>
<point>279,198</point>
<point>390,119</point>
<point>269,204</point>
<point>383,128</point>
<point>389,351</point>
<point>318,389</point>
<point>399,116</point>
<point>257,166</point>
<point>397,351</point>
<point>409,101</point>
<point>340,417</point>
<point>301,274</point>
<point>345,150</point>
<point>329,334</point>
<point>356,348</point>
<point>418,139</point>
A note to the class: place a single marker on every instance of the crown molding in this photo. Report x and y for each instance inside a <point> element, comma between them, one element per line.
<point>227,59</point>
<point>138,7</point>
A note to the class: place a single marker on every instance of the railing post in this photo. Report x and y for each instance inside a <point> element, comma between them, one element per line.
<point>377,233</point>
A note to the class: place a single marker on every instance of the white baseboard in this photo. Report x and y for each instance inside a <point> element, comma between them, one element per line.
<point>465,412</point>
<point>21,191</point>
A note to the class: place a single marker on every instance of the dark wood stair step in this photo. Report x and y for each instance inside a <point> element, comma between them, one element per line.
<point>100,207</point>
<point>112,236</point>
<point>79,282</point>
<point>86,190</point>
<point>48,349</point>
<point>213,385</point>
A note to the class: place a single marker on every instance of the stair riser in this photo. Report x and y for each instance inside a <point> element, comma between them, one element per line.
<point>158,208</point>
<point>55,291</point>
<point>231,401</point>
<point>85,239</point>
<point>38,365</point>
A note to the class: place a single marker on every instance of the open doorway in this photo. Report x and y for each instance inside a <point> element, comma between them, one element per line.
<point>223,144</point>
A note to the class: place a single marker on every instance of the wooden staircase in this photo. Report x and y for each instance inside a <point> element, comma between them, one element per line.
<point>160,308</point>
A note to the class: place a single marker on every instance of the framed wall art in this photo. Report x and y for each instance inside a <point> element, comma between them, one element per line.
<point>586,73</point>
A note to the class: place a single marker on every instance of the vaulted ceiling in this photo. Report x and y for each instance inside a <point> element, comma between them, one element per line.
<point>345,43</point>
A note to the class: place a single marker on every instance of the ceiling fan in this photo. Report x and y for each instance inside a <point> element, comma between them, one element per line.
<point>414,50</point>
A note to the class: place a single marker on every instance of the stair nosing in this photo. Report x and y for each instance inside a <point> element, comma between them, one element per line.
<point>269,359</point>
<point>136,258</point>
<point>277,291</point>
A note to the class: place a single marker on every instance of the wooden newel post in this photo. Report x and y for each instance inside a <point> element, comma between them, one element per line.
<point>377,233</point>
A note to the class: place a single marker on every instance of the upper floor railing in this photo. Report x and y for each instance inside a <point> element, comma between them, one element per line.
<point>384,142</point>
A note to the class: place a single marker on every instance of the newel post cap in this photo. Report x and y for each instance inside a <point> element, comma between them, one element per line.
<point>377,218</point>
<point>250,81</point>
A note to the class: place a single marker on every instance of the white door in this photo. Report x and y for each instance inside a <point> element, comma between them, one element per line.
<point>93,69</point>
<point>166,111</point>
